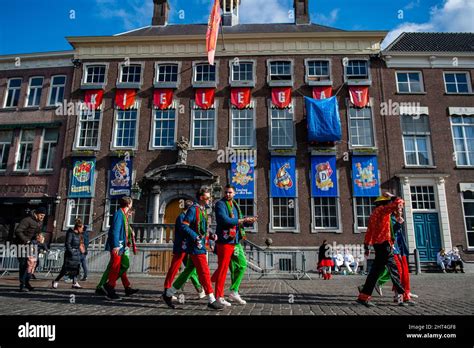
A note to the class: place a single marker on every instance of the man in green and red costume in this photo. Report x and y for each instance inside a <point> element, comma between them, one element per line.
<point>230,253</point>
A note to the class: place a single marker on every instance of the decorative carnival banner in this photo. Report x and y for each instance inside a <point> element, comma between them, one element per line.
<point>120,177</point>
<point>82,178</point>
<point>365,176</point>
<point>242,175</point>
<point>323,176</point>
<point>283,176</point>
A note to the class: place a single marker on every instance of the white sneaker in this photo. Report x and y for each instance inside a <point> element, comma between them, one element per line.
<point>236,298</point>
<point>54,285</point>
<point>202,294</point>
<point>174,298</point>
<point>413,295</point>
<point>76,286</point>
<point>224,302</point>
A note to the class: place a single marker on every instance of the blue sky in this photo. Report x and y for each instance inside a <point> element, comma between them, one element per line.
<point>38,26</point>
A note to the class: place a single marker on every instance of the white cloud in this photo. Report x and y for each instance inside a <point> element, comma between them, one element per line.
<point>453,16</point>
<point>133,13</point>
<point>412,5</point>
<point>320,18</point>
<point>266,11</point>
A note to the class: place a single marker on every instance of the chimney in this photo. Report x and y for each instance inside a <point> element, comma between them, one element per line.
<point>161,10</point>
<point>230,12</point>
<point>301,12</point>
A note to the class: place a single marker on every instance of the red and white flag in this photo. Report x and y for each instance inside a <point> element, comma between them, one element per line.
<point>213,31</point>
<point>93,98</point>
<point>359,96</point>
<point>281,97</point>
<point>162,98</point>
<point>322,92</point>
<point>125,98</point>
<point>204,97</point>
<point>240,97</point>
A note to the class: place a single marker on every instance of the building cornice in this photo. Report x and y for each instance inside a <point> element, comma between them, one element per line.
<point>37,60</point>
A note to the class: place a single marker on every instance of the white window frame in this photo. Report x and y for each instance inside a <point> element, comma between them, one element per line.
<point>470,165</point>
<point>17,152</point>
<point>468,80</point>
<point>113,143</point>
<point>138,84</point>
<point>253,109</point>
<point>464,200</point>
<point>296,229</point>
<point>307,76</point>
<point>35,91</point>
<point>280,83</point>
<point>78,132</point>
<point>416,136</point>
<point>292,112</point>
<point>420,74</point>
<point>242,83</point>
<point>215,107</point>
<point>167,84</point>
<point>315,229</point>
<point>108,201</point>
<point>152,145</point>
<point>67,218</point>
<point>43,142</point>
<point>351,146</point>
<point>357,228</point>
<point>56,86</point>
<point>15,90</point>
<point>355,82</point>
<point>205,84</point>
<point>3,145</point>
<point>92,85</point>
<point>435,194</point>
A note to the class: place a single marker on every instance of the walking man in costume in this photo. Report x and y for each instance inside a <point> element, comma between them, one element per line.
<point>118,242</point>
<point>378,234</point>
<point>195,227</point>
<point>230,253</point>
<point>179,256</point>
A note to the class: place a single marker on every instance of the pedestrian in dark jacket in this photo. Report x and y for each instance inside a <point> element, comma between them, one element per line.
<point>28,228</point>
<point>85,234</point>
<point>72,256</point>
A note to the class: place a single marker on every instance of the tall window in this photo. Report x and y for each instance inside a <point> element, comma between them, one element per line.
<point>204,73</point>
<point>58,84</point>
<point>318,70</point>
<point>280,71</point>
<point>282,128</point>
<point>326,212</point>
<point>357,69</point>
<point>416,140</point>
<point>131,73</point>
<point>167,73</point>
<point>364,207</point>
<point>79,208</point>
<point>409,82</point>
<point>5,142</point>
<point>463,136</point>
<point>25,149</point>
<point>164,126</point>
<point>242,71</point>
<point>34,91</point>
<point>126,128</point>
<point>48,148</point>
<point>361,131</point>
<point>468,210</point>
<point>242,128</point>
<point>13,93</point>
<point>204,128</point>
<point>284,213</point>
<point>88,129</point>
<point>114,205</point>
<point>458,82</point>
<point>95,74</point>
<point>247,208</point>
<point>423,197</point>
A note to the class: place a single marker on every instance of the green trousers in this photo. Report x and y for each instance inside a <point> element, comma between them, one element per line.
<point>124,265</point>
<point>384,277</point>
<point>188,272</point>
<point>237,267</point>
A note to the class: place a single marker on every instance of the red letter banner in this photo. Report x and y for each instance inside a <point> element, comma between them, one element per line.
<point>204,97</point>
<point>125,98</point>
<point>162,98</point>
<point>322,92</point>
<point>281,97</point>
<point>93,98</point>
<point>359,96</point>
<point>240,97</point>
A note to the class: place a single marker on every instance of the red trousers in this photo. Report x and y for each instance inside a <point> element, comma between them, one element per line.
<point>202,269</point>
<point>224,254</point>
<point>174,268</point>
<point>114,271</point>
<point>402,265</point>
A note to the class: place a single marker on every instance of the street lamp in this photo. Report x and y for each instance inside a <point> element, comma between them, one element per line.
<point>136,191</point>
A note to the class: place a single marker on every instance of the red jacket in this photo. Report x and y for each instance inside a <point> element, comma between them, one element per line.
<point>378,230</point>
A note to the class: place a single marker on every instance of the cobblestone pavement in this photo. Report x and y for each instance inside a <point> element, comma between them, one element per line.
<point>439,294</point>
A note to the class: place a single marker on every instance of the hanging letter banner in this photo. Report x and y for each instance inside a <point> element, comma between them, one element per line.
<point>243,178</point>
<point>120,177</point>
<point>204,97</point>
<point>359,96</point>
<point>240,97</point>
<point>324,123</point>
<point>365,176</point>
<point>82,177</point>
<point>283,176</point>
<point>125,98</point>
<point>93,98</point>
<point>322,92</point>
<point>162,98</point>
<point>281,97</point>
<point>323,176</point>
